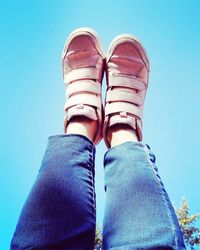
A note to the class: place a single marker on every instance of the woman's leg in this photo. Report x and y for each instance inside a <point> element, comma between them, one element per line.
<point>138,212</point>
<point>60,210</point>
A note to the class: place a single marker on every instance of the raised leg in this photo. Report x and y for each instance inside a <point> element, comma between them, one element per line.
<point>60,210</point>
<point>138,212</point>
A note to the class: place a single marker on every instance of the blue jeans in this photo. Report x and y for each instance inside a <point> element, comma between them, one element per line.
<point>60,211</point>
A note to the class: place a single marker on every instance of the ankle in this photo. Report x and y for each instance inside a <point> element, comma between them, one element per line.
<point>121,133</point>
<point>82,126</point>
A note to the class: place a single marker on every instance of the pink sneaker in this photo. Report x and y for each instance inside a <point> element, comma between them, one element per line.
<point>82,63</point>
<point>127,72</point>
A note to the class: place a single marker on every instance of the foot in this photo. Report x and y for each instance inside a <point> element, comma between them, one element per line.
<point>127,72</point>
<point>83,61</point>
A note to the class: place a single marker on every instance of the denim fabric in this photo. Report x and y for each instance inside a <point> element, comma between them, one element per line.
<point>60,211</point>
<point>138,212</point>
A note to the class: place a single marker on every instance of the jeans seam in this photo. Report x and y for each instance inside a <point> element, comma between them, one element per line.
<point>91,177</point>
<point>92,193</point>
<point>163,196</point>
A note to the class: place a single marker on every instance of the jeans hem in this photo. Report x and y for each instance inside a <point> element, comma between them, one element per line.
<point>136,144</point>
<point>72,135</point>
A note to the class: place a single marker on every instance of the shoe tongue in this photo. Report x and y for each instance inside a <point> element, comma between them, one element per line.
<point>126,67</point>
<point>81,59</point>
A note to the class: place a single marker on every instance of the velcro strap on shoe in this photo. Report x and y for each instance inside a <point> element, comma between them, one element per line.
<point>83,86</point>
<point>120,119</point>
<point>85,110</point>
<point>88,99</point>
<point>126,81</point>
<point>80,74</point>
<point>115,107</point>
<point>117,96</point>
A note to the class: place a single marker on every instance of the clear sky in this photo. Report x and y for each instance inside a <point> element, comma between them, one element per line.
<point>32,35</point>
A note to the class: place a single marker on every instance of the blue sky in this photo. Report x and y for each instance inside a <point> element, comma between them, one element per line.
<point>32,92</point>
